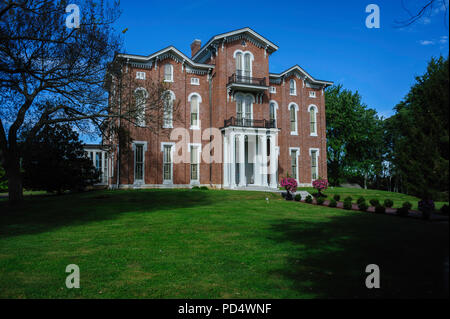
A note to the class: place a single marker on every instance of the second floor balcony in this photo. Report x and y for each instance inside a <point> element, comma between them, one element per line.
<point>242,122</point>
<point>241,82</point>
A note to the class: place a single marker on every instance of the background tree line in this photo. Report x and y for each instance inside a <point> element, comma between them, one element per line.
<point>407,152</point>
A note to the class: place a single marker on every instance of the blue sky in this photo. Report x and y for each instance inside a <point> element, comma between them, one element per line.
<point>329,39</point>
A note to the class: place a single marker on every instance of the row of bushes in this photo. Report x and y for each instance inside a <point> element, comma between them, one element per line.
<point>203,188</point>
<point>403,211</point>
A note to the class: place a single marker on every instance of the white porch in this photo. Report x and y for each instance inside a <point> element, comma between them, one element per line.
<point>250,157</point>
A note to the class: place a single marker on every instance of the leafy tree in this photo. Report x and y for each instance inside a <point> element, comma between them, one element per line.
<point>3,180</point>
<point>419,134</point>
<point>55,161</point>
<point>354,137</point>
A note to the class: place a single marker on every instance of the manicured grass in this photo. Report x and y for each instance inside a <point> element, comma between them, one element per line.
<point>369,194</point>
<point>213,244</point>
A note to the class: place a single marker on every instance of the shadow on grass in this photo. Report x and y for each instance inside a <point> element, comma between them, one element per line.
<point>43,213</point>
<point>332,256</point>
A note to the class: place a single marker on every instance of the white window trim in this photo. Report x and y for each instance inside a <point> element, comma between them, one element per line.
<point>295,87</point>
<point>296,117</point>
<point>145,106</point>
<point>312,106</point>
<point>164,70</point>
<point>193,82</point>
<point>273,90</point>
<point>297,150</point>
<point>317,161</point>
<point>252,58</point>
<point>144,150</point>
<point>276,110</point>
<point>195,127</point>
<point>172,147</point>
<point>244,97</point>
<point>171,119</point>
<point>138,75</point>
<point>312,94</point>
<point>199,150</point>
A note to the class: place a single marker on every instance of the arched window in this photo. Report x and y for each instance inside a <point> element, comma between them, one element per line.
<point>293,117</point>
<point>169,97</point>
<point>195,100</point>
<point>239,71</point>
<point>292,87</point>
<point>168,72</point>
<point>243,65</point>
<point>313,120</point>
<point>140,95</point>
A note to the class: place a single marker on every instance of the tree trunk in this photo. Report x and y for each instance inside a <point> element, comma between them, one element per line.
<point>15,186</point>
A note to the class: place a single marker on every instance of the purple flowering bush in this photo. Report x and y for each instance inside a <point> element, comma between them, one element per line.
<point>290,184</point>
<point>320,184</point>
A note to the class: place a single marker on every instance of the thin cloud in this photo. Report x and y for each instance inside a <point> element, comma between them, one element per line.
<point>426,42</point>
<point>443,39</point>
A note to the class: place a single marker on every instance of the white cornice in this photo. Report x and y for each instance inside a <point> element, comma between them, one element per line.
<point>171,49</point>
<point>273,47</point>
<point>303,72</point>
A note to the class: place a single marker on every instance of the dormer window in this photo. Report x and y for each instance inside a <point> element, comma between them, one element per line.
<point>292,87</point>
<point>168,73</point>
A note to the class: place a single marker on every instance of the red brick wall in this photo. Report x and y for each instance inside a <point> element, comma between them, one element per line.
<point>222,109</point>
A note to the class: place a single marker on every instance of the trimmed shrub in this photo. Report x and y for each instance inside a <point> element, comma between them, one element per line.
<point>374,202</point>
<point>283,194</point>
<point>444,209</point>
<point>360,200</point>
<point>426,207</point>
<point>332,203</point>
<point>204,188</point>
<point>388,203</point>
<point>379,209</point>
<point>298,197</point>
<point>320,200</point>
<point>347,205</point>
<point>402,212</point>
<point>337,197</point>
<point>362,206</point>
<point>309,199</point>
<point>407,205</point>
<point>348,198</point>
<point>195,187</point>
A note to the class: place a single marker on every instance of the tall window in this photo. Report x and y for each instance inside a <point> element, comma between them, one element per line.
<point>294,164</point>
<point>244,111</point>
<point>313,120</point>
<point>168,72</point>
<point>167,163</point>
<point>139,163</point>
<point>194,111</point>
<point>168,109</point>
<point>194,163</point>
<point>239,71</point>
<point>243,66</point>
<point>314,171</point>
<point>292,87</point>
<point>293,119</point>
<point>140,95</point>
<point>272,114</point>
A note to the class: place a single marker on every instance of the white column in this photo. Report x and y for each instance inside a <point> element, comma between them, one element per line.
<point>226,161</point>
<point>232,159</point>
<point>263,166</point>
<point>242,160</point>
<point>257,169</point>
<point>273,163</point>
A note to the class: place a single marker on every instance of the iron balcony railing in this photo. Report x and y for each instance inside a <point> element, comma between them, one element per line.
<point>232,121</point>
<point>242,79</point>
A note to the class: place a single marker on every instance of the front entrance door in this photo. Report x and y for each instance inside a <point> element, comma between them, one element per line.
<point>249,163</point>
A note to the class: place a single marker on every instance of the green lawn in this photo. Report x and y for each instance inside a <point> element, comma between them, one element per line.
<point>213,244</point>
<point>369,194</point>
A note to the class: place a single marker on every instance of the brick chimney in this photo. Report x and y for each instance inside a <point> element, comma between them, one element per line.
<point>195,46</point>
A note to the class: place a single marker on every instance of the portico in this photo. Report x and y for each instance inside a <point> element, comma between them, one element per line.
<point>250,157</point>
